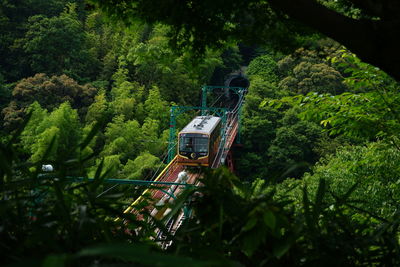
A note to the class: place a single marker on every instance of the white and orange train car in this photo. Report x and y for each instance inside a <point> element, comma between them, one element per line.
<point>198,142</point>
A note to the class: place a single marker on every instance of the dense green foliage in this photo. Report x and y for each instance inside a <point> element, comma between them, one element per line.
<point>317,170</point>
<point>367,28</point>
<point>78,69</point>
<point>372,169</point>
<point>255,224</point>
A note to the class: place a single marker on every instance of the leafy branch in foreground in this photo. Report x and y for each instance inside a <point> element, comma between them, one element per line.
<point>45,219</point>
<point>44,214</point>
<point>252,225</point>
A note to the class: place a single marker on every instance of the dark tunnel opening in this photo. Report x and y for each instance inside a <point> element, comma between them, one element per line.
<point>235,81</point>
<point>238,81</point>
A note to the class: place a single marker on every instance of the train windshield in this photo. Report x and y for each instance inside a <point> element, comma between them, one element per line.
<point>193,143</point>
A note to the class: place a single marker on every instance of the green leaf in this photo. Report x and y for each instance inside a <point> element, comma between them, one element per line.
<point>268,102</point>
<point>270,219</point>
<point>55,260</point>
<point>252,240</point>
<point>280,249</point>
<point>325,122</point>
<point>250,224</point>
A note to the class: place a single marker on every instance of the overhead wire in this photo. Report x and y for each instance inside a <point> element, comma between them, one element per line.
<point>232,117</point>
<point>217,99</point>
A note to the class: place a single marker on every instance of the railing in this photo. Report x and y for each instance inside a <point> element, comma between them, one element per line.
<point>229,133</point>
<point>159,178</point>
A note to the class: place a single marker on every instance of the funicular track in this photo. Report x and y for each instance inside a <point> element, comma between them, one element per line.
<point>166,185</point>
<point>169,184</point>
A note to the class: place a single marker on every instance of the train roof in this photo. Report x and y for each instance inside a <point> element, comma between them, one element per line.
<point>202,124</point>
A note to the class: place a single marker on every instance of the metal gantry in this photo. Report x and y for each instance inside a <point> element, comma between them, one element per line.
<point>220,112</point>
<point>240,91</point>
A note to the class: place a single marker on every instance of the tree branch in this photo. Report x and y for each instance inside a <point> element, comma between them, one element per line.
<point>374,41</point>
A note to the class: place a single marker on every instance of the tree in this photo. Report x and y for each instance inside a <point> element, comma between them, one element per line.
<point>142,167</point>
<point>103,42</point>
<point>371,169</point>
<point>151,131</point>
<point>49,92</point>
<point>367,112</point>
<point>98,109</point>
<point>157,108</point>
<point>126,99</point>
<point>259,123</point>
<point>123,138</point>
<point>371,32</point>
<point>310,70</point>
<point>58,45</point>
<point>5,92</point>
<point>59,131</point>
<point>14,17</point>
<point>154,63</point>
<point>308,77</point>
<point>293,145</point>
<point>264,66</point>
<point>110,167</point>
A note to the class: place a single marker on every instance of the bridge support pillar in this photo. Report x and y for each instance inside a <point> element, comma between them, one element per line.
<point>229,161</point>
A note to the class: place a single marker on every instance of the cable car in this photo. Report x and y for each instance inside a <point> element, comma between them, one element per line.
<point>198,142</point>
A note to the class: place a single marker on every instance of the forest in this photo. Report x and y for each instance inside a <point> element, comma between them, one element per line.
<point>87,86</point>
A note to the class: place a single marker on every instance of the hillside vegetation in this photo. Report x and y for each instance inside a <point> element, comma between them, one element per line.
<point>316,174</point>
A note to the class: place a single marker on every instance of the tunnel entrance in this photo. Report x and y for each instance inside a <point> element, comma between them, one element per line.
<point>236,80</point>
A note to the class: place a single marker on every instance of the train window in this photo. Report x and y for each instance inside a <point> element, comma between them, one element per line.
<point>201,145</point>
<point>193,144</point>
<point>186,144</point>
